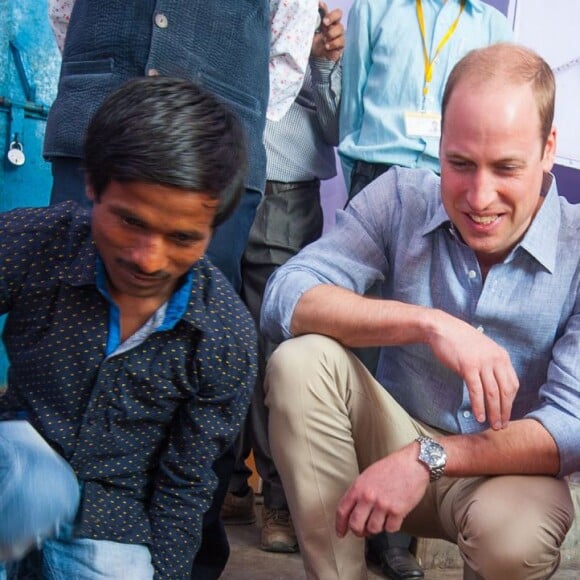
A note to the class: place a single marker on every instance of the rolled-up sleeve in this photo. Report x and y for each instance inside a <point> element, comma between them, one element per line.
<point>559,411</point>
<point>359,235</point>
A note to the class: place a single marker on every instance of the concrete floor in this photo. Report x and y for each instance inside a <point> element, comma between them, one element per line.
<point>248,562</point>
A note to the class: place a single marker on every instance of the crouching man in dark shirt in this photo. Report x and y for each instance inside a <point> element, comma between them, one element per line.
<point>132,359</point>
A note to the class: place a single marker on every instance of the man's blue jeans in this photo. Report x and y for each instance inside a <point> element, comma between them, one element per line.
<point>39,493</point>
<point>39,498</point>
<point>84,559</point>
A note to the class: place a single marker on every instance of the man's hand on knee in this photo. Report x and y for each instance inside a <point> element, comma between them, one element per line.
<point>383,494</point>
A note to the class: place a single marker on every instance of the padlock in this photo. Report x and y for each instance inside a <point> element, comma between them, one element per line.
<point>16,154</point>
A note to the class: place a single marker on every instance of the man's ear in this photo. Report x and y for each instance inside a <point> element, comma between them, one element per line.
<point>549,151</point>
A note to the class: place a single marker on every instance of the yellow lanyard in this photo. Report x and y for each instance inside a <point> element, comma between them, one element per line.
<point>430,63</point>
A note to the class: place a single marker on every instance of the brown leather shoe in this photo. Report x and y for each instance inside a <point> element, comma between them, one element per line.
<point>278,532</point>
<point>238,510</point>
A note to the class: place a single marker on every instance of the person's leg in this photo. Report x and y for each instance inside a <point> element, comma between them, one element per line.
<point>288,218</point>
<point>214,551</point>
<point>68,181</point>
<point>329,419</point>
<point>508,526</point>
<point>85,559</point>
<point>239,507</point>
<point>363,173</point>
<point>229,240</point>
<point>390,551</point>
<point>39,492</point>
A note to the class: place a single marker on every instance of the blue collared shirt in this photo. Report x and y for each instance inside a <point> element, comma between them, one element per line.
<point>397,233</point>
<point>164,318</point>
<point>383,74</point>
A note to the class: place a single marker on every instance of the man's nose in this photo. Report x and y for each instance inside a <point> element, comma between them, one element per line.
<point>482,192</point>
<point>150,255</point>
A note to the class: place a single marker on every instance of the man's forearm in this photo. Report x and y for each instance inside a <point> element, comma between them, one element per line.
<point>523,447</point>
<point>356,320</point>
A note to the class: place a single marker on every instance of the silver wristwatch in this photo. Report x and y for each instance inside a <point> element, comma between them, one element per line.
<point>433,456</point>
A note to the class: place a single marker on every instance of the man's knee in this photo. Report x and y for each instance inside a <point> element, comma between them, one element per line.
<point>516,540</point>
<point>297,360</point>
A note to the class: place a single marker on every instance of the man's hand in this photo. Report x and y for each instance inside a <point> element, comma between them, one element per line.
<point>383,494</point>
<point>329,41</point>
<point>485,367</point>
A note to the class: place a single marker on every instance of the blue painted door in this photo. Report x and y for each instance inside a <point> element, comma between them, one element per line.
<point>29,69</point>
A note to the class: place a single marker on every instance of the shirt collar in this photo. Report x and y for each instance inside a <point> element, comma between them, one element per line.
<point>541,239</point>
<point>439,218</point>
<point>176,305</point>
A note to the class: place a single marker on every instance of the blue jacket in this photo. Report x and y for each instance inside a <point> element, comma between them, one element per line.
<point>223,46</point>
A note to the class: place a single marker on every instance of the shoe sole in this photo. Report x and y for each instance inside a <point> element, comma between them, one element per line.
<point>279,547</point>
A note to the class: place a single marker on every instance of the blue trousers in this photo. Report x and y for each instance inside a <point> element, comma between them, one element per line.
<point>39,498</point>
<point>39,493</point>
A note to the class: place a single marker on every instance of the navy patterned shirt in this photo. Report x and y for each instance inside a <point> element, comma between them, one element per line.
<point>141,427</point>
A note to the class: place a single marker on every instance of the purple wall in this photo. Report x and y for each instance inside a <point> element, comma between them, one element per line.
<point>501,5</point>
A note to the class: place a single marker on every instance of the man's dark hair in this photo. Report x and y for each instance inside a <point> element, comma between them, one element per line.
<point>170,132</point>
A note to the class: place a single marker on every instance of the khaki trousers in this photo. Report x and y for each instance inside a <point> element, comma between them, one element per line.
<point>330,419</point>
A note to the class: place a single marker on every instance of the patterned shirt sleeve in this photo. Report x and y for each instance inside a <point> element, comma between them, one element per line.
<point>203,428</point>
<point>59,12</point>
<point>292,28</point>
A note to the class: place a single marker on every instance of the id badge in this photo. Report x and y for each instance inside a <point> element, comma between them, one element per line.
<point>422,124</point>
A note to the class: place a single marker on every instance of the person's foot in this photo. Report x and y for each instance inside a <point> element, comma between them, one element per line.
<point>397,563</point>
<point>238,510</point>
<point>278,533</point>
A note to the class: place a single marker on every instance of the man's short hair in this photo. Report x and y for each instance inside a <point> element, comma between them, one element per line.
<point>513,64</point>
<point>170,132</point>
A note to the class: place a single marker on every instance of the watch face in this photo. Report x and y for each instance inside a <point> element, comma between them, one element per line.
<point>432,453</point>
<point>436,456</point>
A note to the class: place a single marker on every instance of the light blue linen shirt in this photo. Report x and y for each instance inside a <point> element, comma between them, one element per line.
<point>383,74</point>
<point>396,232</point>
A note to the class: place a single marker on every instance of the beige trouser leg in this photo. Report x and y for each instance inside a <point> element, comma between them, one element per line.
<point>508,526</point>
<point>330,419</point>
<point>326,425</point>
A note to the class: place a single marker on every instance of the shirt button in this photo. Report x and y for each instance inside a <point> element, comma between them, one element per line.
<point>161,20</point>
<point>480,328</point>
<point>467,414</point>
<point>472,274</point>
<point>152,72</point>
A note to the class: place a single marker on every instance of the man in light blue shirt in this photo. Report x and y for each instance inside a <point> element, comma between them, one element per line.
<point>474,415</point>
<point>397,58</point>
<point>390,112</point>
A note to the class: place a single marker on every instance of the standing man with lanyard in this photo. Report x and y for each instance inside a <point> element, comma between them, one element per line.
<point>397,58</point>
<point>396,61</point>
